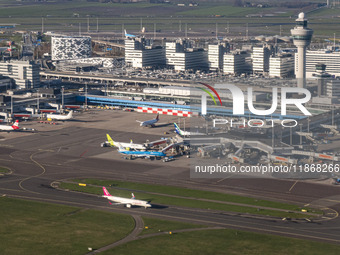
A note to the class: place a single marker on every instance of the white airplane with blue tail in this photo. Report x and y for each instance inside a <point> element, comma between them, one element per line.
<point>128,35</point>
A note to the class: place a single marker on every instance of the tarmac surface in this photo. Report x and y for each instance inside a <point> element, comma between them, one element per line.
<point>72,150</point>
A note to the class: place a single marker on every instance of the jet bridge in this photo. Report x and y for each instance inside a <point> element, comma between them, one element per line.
<point>316,155</point>
<point>309,136</point>
<point>333,128</point>
<point>276,158</point>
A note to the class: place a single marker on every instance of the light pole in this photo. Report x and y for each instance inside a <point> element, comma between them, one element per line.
<point>62,98</point>
<point>38,101</point>
<point>273,136</point>
<point>85,95</point>
<point>308,120</point>
<point>11,106</point>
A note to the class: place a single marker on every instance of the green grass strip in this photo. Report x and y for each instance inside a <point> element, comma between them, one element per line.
<point>29,227</point>
<point>190,193</point>
<point>226,241</point>
<point>183,202</point>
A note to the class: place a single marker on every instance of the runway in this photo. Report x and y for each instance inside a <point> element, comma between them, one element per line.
<point>72,150</point>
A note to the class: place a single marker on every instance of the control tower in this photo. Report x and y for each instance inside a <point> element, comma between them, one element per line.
<point>301,39</point>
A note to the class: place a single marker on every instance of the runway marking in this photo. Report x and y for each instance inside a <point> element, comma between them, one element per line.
<point>292,186</point>
<point>6,145</point>
<point>224,178</point>
<point>45,150</point>
<point>9,160</point>
<point>30,177</point>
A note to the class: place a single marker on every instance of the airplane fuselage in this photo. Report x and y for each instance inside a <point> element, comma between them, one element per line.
<point>144,153</point>
<point>59,116</point>
<point>134,146</point>
<point>148,123</point>
<point>6,128</point>
<point>128,201</point>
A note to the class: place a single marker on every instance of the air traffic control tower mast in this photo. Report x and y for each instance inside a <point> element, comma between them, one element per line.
<point>301,39</point>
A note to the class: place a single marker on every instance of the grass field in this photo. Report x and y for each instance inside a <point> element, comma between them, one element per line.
<point>188,198</point>
<point>190,193</point>
<point>28,227</point>
<point>152,225</point>
<point>231,242</point>
<point>4,170</point>
<point>221,10</point>
<point>66,16</point>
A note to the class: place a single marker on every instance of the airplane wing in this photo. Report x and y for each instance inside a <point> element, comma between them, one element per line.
<point>120,147</point>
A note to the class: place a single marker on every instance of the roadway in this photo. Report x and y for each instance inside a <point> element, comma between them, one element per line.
<point>72,150</point>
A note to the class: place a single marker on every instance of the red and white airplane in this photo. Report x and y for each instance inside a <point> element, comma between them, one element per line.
<point>128,202</point>
<point>8,128</point>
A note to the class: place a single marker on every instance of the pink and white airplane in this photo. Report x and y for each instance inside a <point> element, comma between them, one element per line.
<point>128,202</point>
<point>7,128</point>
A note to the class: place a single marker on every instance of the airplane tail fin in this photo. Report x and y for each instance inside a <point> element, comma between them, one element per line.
<point>106,193</point>
<point>16,125</point>
<point>70,114</point>
<point>125,32</point>
<point>133,196</point>
<point>178,130</point>
<point>109,139</point>
<point>157,117</point>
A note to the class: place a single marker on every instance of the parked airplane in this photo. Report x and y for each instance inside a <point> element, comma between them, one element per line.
<point>128,202</point>
<point>131,145</point>
<point>60,116</point>
<point>7,128</point>
<point>185,133</point>
<point>143,154</point>
<point>128,35</point>
<point>150,123</point>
